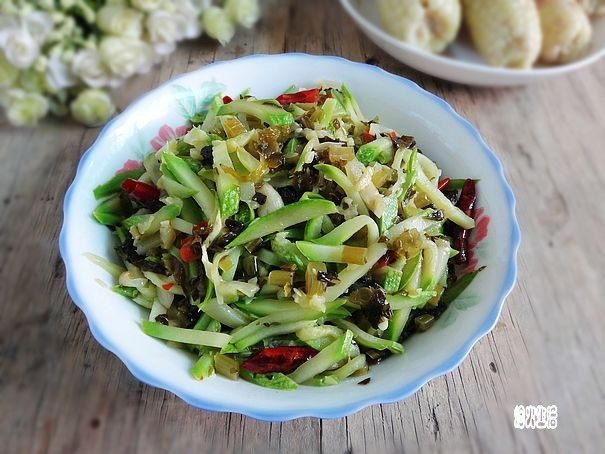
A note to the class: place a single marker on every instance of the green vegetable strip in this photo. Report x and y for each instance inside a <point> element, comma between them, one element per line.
<point>430,264</point>
<point>264,307</point>
<point>174,188</point>
<point>452,212</point>
<point>325,380</point>
<point>183,173</point>
<point>350,104</point>
<point>418,222</point>
<point>305,154</point>
<point>367,340</point>
<point>338,176</point>
<point>203,367</point>
<point>227,186</point>
<point>224,313</point>
<point>267,113</point>
<point>111,268</point>
<point>349,228</point>
<point>327,112</point>
<point>234,255</point>
<point>150,223</point>
<point>114,184</point>
<point>454,291</point>
<point>330,254</point>
<point>352,273</point>
<point>397,324</point>
<point>285,316</point>
<point>456,184</point>
<point>282,218</point>
<point>352,366</point>
<point>203,322</point>
<point>404,301</point>
<point>369,152</point>
<point>128,292</point>
<point>410,174</point>
<point>185,336</point>
<point>269,257</point>
<point>329,356</point>
<point>313,228</point>
<point>191,212</point>
<point>274,381</point>
<point>106,218</point>
<point>270,331</point>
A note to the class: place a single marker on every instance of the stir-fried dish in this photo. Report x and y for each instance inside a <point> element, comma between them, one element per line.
<point>288,241</point>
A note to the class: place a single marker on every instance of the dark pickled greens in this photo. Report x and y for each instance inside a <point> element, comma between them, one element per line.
<point>288,241</point>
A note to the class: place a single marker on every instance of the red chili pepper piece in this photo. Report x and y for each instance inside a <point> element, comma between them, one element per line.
<point>227,99</point>
<point>366,137</point>
<point>141,191</point>
<point>187,252</point>
<point>443,183</point>
<point>466,203</point>
<point>278,359</point>
<point>323,98</point>
<point>305,96</point>
<point>167,286</point>
<point>388,258</point>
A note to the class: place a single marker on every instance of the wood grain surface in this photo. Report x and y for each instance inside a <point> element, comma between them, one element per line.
<point>61,392</point>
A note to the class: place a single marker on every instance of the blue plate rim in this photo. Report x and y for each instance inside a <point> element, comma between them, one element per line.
<point>337,412</point>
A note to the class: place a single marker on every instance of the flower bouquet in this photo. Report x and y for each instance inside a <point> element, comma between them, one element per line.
<point>61,56</point>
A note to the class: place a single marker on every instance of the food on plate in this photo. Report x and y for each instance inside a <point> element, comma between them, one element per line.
<point>505,32</point>
<point>566,30</point>
<point>288,241</point>
<point>429,24</point>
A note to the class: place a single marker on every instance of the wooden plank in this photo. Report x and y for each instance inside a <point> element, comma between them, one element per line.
<point>61,392</point>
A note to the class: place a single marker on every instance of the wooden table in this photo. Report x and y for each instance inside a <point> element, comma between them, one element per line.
<point>61,392</point>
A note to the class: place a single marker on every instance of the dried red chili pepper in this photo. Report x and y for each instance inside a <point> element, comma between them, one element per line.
<point>141,191</point>
<point>167,286</point>
<point>188,252</point>
<point>443,183</point>
<point>389,257</point>
<point>366,137</point>
<point>466,203</point>
<point>278,359</point>
<point>227,99</point>
<point>305,96</point>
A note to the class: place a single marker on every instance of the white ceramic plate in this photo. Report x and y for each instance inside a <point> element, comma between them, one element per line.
<point>461,63</point>
<point>440,132</point>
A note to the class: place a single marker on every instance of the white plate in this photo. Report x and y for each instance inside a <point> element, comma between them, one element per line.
<point>461,63</point>
<point>401,104</point>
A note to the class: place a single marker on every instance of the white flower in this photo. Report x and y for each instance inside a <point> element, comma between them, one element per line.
<point>19,47</point>
<point>125,56</point>
<point>120,20</point>
<point>187,18</point>
<point>162,28</point>
<point>25,109</point>
<point>87,66</point>
<point>58,74</point>
<point>244,12</point>
<point>202,5</point>
<point>93,107</point>
<point>33,80</point>
<point>146,5</point>
<point>8,73</point>
<point>39,25</point>
<point>217,24</point>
